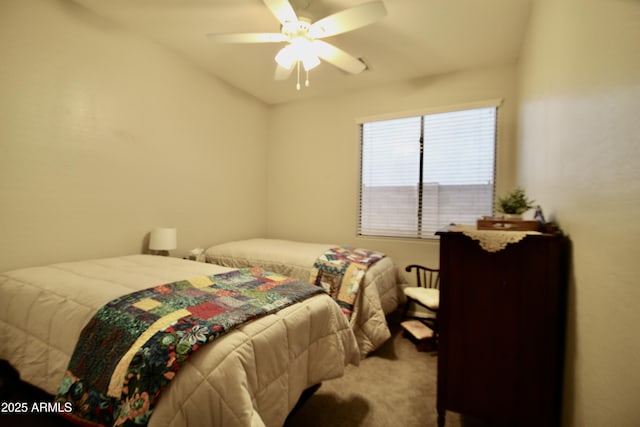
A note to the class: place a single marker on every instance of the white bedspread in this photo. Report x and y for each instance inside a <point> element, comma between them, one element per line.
<point>252,376</point>
<point>378,296</point>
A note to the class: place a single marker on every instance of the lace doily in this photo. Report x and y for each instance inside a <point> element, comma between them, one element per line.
<point>492,240</point>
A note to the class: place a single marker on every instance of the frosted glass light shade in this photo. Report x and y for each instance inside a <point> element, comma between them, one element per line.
<point>299,49</point>
<point>163,239</point>
<point>286,57</point>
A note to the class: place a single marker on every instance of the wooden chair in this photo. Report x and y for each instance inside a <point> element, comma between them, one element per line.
<point>426,294</point>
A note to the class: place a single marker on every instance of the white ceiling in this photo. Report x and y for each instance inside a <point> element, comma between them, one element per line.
<point>417,38</point>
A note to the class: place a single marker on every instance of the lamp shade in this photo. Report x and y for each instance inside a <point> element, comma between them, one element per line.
<point>163,239</point>
<point>299,49</point>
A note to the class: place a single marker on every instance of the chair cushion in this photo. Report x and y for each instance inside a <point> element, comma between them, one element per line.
<point>428,297</point>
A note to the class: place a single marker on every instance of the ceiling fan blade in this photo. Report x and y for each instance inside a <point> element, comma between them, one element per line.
<point>348,19</point>
<point>248,38</point>
<point>282,10</point>
<point>338,57</point>
<point>283,73</point>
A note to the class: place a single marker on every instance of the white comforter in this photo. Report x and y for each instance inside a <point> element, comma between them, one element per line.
<point>377,297</point>
<point>252,376</point>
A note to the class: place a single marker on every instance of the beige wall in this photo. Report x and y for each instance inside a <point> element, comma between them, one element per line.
<point>105,135</point>
<point>580,142</point>
<point>314,155</point>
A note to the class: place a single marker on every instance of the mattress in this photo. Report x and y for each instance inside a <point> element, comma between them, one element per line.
<point>252,376</point>
<point>378,297</point>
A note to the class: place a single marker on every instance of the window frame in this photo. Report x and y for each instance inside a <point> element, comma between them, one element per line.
<point>491,103</point>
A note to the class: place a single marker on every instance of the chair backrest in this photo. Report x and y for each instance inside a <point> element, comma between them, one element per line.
<point>426,277</point>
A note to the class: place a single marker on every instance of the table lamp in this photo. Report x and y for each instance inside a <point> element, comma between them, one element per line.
<point>162,240</point>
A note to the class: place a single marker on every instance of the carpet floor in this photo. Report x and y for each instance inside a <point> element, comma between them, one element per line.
<point>393,386</point>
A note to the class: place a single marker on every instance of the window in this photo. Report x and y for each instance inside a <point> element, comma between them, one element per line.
<point>422,173</point>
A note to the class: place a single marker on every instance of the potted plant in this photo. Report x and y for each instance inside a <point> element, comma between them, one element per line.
<point>514,204</point>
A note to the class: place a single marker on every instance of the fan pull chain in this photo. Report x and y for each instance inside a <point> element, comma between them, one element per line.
<point>306,82</point>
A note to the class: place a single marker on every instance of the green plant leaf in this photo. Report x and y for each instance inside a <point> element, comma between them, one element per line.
<point>515,202</point>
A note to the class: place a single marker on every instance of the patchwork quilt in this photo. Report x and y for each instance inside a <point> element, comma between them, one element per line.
<point>340,271</point>
<point>143,338</point>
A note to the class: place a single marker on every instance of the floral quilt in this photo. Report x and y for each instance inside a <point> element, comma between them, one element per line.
<point>340,272</point>
<point>134,345</point>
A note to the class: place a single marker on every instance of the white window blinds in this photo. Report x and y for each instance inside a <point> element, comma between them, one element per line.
<point>419,174</point>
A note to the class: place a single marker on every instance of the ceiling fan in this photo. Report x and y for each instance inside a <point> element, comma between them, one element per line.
<point>302,36</point>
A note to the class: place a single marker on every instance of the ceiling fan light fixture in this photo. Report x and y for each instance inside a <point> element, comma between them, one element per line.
<point>299,49</point>
<point>310,61</point>
<point>299,52</point>
<point>286,57</point>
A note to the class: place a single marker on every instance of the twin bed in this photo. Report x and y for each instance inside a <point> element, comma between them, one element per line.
<point>378,295</point>
<point>252,375</point>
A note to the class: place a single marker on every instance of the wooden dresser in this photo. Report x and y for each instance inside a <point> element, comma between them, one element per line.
<point>501,329</point>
